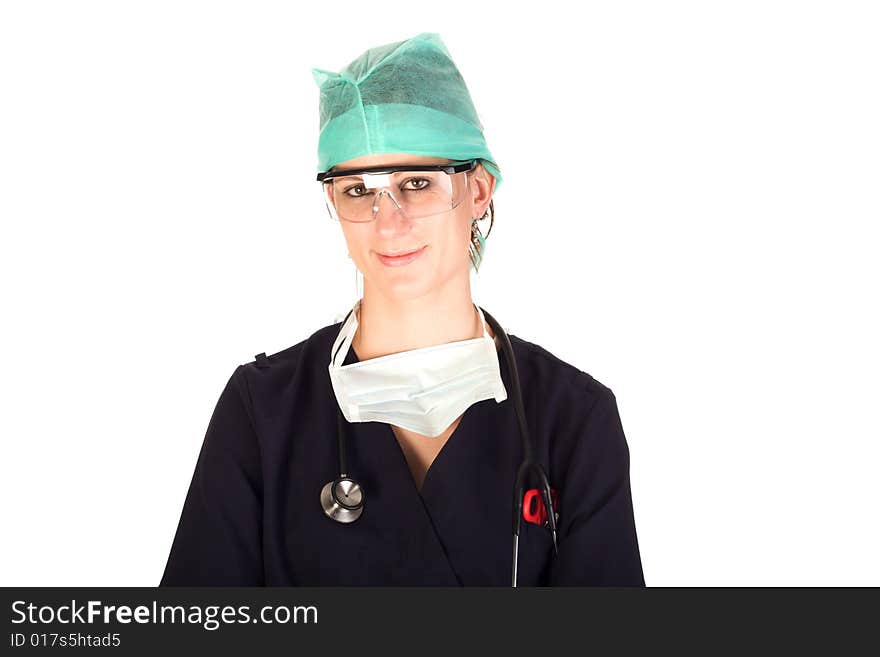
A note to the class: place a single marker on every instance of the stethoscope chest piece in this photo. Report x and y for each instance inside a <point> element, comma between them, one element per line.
<point>343,499</point>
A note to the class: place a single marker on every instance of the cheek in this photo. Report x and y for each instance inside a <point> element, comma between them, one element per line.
<point>456,232</point>
<point>355,239</point>
<point>451,243</point>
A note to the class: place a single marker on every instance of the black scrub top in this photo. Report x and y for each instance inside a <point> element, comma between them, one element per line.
<point>253,516</point>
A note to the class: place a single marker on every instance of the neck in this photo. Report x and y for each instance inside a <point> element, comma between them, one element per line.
<point>390,325</point>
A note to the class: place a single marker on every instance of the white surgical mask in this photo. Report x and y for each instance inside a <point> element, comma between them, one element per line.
<point>423,390</point>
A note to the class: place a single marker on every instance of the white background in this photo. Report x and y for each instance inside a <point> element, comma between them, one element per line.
<point>689,213</point>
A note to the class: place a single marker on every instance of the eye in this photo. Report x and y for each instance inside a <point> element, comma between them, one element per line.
<point>356,194</point>
<point>419,184</point>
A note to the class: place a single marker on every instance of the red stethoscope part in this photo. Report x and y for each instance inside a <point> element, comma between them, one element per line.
<point>534,510</point>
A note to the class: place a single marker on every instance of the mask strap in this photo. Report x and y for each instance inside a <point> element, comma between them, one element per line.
<point>345,337</point>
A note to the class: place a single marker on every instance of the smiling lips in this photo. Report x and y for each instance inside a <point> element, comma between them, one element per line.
<point>403,258</point>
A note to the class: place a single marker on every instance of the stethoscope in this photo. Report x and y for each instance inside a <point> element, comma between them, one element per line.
<point>343,498</point>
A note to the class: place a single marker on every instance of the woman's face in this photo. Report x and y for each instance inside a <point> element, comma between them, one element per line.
<point>443,238</point>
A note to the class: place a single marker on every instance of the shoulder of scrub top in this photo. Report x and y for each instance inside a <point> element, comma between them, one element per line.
<point>285,363</point>
<point>548,370</point>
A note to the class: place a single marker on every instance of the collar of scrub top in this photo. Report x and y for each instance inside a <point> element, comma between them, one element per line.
<point>455,167</point>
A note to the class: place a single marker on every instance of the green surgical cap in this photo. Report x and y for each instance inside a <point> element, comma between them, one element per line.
<point>403,97</point>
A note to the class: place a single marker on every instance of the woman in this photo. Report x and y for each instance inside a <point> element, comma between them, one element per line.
<point>394,465</point>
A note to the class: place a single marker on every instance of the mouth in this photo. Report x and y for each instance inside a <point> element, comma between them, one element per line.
<point>399,258</point>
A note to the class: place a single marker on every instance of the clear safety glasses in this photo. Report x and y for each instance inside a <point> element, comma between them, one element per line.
<point>416,190</point>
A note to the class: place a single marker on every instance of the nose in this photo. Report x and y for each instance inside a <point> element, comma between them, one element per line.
<point>378,198</point>
<point>390,219</point>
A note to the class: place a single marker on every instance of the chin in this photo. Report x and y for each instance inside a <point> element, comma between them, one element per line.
<point>404,288</point>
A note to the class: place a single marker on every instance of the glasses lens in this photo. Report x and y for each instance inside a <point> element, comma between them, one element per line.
<point>416,194</point>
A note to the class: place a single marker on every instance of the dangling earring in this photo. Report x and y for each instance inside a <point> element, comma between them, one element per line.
<point>477,246</point>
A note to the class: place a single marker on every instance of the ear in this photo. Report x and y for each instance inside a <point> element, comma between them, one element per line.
<point>482,188</point>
